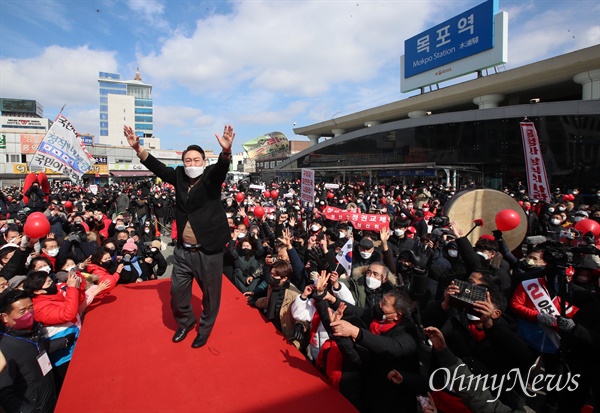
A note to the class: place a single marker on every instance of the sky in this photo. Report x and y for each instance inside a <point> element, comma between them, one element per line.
<point>261,66</point>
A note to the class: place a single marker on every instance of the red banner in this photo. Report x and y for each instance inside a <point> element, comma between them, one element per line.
<point>537,181</point>
<point>368,222</point>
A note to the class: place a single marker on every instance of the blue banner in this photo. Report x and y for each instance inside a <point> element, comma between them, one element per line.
<point>462,36</point>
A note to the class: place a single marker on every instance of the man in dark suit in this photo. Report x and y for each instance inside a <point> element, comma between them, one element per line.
<point>202,231</point>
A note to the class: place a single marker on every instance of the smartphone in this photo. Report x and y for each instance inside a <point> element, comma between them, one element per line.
<point>423,401</point>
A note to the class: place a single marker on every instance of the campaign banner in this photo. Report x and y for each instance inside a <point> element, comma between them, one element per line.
<point>254,186</point>
<point>332,186</point>
<point>62,151</point>
<point>537,180</point>
<point>368,222</point>
<point>307,187</point>
<point>266,145</point>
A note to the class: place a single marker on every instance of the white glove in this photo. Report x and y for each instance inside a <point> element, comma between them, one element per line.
<point>546,319</point>
<point>24,241</point>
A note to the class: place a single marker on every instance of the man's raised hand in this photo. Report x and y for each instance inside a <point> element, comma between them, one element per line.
<point>226,141</point>
<point>132,139</point>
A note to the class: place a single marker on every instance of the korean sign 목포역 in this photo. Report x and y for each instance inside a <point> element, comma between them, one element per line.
<point>62,151</point>
<point>537,180</point>
<point>462,36</point>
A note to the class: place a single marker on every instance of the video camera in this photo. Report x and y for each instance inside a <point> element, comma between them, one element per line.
<point>441,221</point>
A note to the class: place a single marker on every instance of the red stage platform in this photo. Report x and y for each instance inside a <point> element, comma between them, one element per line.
<point>125,361</point>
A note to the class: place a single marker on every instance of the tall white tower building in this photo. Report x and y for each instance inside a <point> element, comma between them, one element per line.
<point>125,102</point>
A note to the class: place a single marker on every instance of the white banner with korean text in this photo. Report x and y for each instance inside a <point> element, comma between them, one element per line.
<point>307,187</point>
<point>62,151</point>
<point>537,180</point>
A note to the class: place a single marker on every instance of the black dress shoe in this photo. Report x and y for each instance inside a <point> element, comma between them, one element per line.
<point>199,341</point>
<point>181,333</point>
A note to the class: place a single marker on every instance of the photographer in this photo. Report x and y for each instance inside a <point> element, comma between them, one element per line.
<point>77,245</point>
<point>154,260</point>
<point>482,336</point>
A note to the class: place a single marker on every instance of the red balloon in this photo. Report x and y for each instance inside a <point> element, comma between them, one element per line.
<point>37,225</point>
<point>259,212</point>
<point>239,197</point>
<point>507,219</point>
<point>267,194</point>
<point>588,225</point>
<point>223,184</point>
<point>274,193</point>
<point>520,203</point>
<point>330,195</point>
<point>69,206</point>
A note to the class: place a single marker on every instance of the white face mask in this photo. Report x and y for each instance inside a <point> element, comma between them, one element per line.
<point>484,255</point>
<point>453,253</point>
<point>578,218</point>
<point>365,255</point>
<point>372,283</point>
<point>314,228</point>
<point>194,171</point>
<point>342,235</point>
<point>398,232</point>
<point>68,269</point>
<point>46,269</point>
<point>472,317</point>
<point>147,231</point>
<point>241,235</point>
<point>555,221</point>
<point>53,252</point>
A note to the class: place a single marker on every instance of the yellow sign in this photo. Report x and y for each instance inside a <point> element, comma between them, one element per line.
<point>21,168</point>
<point>98,169</point>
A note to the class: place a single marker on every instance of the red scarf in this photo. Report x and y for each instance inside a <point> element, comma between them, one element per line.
<point>477,334</point>
<point>379,328</point>
<point>314,327</point>
<point>333,364</point>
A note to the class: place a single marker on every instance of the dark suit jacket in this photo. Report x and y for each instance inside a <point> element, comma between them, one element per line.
<point>202,206</point>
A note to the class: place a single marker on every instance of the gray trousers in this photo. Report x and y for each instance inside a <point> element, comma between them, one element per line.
<point>207,270</point>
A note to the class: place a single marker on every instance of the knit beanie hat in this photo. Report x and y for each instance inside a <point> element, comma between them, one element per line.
<point>130,245</point>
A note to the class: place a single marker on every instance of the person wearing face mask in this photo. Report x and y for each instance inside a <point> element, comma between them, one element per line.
<point>59,313</point>
<point>24,387</point>
<point>154,263</point>
<point>281,293</point>
<point>554,226</point>
<point>483,256</point>
<point>483,337</point>
<point>364,254</point>
<point>50,250</point>
<point>102,266</point>
<point>202,230</point>
<point>247,269</point>
<point>373,341</point>
<point>533,222</point>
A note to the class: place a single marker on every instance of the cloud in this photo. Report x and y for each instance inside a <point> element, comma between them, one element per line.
<point>56,77</point>
<point>180,116</point>
<point>150,12</point>
<point>301,48</point>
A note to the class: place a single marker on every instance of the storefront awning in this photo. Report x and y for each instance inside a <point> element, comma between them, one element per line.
<point>127,174</point>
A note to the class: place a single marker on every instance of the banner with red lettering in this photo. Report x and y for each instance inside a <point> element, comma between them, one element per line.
<point>367,222</point>
<point>537,181</point>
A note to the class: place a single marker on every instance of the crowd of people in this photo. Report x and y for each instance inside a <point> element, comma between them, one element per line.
<point>378,328</point>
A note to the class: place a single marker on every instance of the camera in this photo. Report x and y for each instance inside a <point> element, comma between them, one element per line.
<point>437,222</point>
<point>469,293</point>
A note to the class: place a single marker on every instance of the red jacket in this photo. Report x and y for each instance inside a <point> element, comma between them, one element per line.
<point>104,275</point>
<point>57,308</point>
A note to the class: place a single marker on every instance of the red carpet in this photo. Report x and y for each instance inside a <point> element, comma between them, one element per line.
<point>125,361</point>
